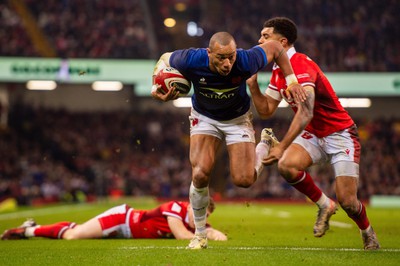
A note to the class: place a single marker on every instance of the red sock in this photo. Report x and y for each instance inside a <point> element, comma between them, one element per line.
<point>54,230</point>
<point>360,218</point>
<point>305,184</point>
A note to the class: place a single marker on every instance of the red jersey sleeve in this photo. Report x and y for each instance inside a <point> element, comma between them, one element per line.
<point>177,209</point>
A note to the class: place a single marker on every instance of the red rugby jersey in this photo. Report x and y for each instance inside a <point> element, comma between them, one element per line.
<point>153,223</point>
<point>329,114</point>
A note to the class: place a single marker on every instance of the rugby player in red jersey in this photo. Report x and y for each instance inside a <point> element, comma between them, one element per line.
<point>173,219</point>
<point>321,131</point>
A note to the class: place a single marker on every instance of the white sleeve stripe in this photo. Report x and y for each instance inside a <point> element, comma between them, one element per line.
<point>172,214</point>
<point>272,87</point>
<point>274,94</point>
<point>308,84</point>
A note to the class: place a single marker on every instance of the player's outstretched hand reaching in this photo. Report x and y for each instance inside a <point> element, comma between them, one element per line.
<point>275,153</point>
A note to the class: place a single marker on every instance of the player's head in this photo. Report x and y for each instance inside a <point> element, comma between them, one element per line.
<point>211,206</point>
<point>280,29</point>
<point>222,53</point>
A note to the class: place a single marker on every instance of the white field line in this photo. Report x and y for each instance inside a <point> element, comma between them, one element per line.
<point>266,248</point>
<point>42,212</point>
<point>286,215</point>
<point>280,214</point>
<point>340,224</point>
<point>283,214</point>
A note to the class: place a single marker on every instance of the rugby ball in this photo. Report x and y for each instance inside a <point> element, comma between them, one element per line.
<point>170,77</point>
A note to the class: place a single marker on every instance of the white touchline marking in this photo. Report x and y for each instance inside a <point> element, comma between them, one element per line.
<point>340,224</point>
<point>283,214</point>
<point>267,211</point>
<point>267,248</point>
<point>42,212</point>
<point>280,214</point>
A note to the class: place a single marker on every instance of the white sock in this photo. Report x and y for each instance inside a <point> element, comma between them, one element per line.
<point>30,231</point>
<point>199,199</point>
<point>366,230</point>
<point>262,150</point>
<point>323,201</point>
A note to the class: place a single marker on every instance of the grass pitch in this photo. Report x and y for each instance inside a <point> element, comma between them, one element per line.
<point>259,234</point>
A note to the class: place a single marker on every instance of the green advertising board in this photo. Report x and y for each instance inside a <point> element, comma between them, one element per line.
<point>138,73</point>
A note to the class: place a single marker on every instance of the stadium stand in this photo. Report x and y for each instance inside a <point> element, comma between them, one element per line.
<point>52,155</point>
<point>345,36</point>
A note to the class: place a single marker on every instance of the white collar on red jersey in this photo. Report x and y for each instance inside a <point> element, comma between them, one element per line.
<point>290,52</point>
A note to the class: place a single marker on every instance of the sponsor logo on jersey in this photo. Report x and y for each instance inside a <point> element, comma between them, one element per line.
<point>218,94</point>
<point>303,75</point>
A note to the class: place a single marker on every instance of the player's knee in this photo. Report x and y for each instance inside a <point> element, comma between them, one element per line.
<point>282,166</point>
<point>350,206</point>
<point>244,181</point>
<point>200,178</point>
<point>287,171</point>
<point>71,235</point>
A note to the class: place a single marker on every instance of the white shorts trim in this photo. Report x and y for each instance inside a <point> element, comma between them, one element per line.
<point>342,149</point>
<point>346,168</point>
<point>237,130</point>
<point>118,229</point>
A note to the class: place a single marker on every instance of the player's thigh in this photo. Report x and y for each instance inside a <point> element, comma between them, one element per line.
<point>295,157</point>
<point>344,146</point>
<point>203,150</point>
<point>242,159</point>
<point>88,230</point>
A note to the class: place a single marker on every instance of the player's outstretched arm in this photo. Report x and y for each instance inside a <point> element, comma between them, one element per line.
<point>156,91</point>
<point>301,119</point>
<point>162,63</point>
<point>178,229</point>
<point>275,52</point>
<point>264,104</point>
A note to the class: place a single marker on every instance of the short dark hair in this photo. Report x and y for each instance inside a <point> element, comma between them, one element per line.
<point>284,26</point>
<point>222,37</point>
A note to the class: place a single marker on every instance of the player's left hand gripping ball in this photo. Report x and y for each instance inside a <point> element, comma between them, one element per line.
<point>170,77</point>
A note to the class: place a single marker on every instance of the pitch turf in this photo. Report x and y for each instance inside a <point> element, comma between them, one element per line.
<point>259,234</point>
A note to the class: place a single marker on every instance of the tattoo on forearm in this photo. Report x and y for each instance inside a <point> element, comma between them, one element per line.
<point>279,55</point>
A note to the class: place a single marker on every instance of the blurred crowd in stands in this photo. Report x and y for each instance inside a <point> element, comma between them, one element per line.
<point>54,155</point>
<point>339,35</point>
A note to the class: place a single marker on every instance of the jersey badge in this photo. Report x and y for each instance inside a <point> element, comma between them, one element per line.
<point>176,207</point>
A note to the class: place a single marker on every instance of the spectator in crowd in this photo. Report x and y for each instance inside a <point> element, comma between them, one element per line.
<point>125,29</point>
